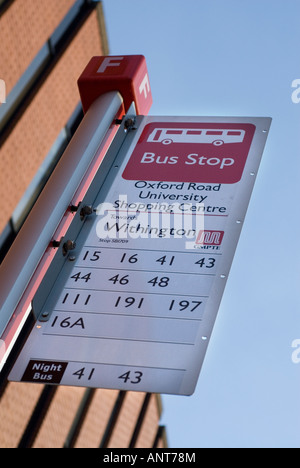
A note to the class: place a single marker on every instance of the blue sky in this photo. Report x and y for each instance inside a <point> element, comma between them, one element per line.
<point>236,58</point>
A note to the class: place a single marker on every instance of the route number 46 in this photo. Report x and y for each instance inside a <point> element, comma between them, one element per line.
<point>133,377</point>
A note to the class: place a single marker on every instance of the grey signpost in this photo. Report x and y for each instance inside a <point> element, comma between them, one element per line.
<point>21,269</point>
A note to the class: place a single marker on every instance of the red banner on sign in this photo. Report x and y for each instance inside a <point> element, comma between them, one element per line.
<point>191,152</point>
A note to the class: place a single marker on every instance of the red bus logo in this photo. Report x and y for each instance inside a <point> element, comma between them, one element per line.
<point>217,137</point>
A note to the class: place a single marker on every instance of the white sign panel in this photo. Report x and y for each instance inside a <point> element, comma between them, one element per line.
<point>134,304</point>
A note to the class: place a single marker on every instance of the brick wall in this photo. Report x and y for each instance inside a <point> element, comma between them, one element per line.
<point>24,29</point>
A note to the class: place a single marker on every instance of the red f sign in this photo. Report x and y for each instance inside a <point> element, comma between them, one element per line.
<point>127,74</point>
<point>191,152</point>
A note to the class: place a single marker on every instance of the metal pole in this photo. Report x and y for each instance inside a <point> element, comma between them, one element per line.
<point>37,231</point>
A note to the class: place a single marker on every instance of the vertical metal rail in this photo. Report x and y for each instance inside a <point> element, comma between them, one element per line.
<point>113,419</point>
<point>37,417</point>
<point>79,418</point>
<point>140,420</point>
<point>5,4</point>
<point>160,435</point>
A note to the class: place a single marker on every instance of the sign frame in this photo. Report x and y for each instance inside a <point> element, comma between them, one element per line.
<point>121,148</point>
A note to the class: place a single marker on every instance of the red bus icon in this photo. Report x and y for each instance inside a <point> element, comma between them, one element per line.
<point>217,137</point>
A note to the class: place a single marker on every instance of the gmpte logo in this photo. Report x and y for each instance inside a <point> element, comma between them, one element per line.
<point>209,239</point>
<point>2,92</point>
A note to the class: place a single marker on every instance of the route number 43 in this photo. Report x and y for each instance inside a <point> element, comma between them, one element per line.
<point>133,377</point>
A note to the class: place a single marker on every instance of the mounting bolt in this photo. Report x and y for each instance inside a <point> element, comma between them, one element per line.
<point>68,245</point>
<point>86,211</point>
<point>129,124</point>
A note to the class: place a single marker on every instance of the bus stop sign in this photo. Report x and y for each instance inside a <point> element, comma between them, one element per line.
<point>133,303</point>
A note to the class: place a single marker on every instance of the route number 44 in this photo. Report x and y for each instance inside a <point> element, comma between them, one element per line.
<point>133,377</point>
